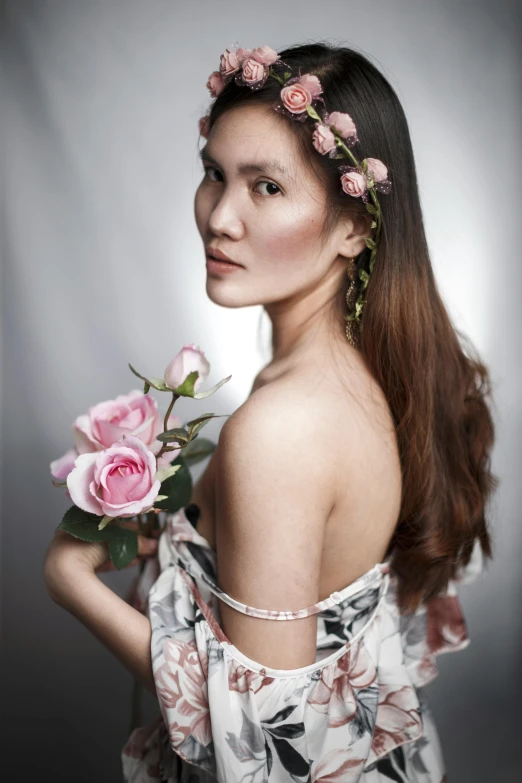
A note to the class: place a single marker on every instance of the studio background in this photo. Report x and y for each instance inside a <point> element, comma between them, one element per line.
<point>102,265</point>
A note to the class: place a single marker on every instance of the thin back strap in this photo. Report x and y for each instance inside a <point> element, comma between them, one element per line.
<point>360,584</point>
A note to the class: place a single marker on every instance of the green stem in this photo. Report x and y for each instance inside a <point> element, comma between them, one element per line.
<point>169,409</point>
<point>165,446</point>
<point>347,151</point>
<point>272,73</point>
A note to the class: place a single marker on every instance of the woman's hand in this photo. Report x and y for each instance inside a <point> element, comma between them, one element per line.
<point>67,553</point>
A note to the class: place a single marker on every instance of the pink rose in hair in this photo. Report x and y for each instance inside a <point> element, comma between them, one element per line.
<point>295,97</point>
<point>243,54</point>
<point>342,123</point>
<point>311,83</point>
<point>204,126</point>
<point>323,138</point>
<point>265,55</point>
<point>253,71</point>
<point>228,63</point>
<point>377,169</point>
<point>215,83</point>
<point>117,482</point>
<point>353,183</point>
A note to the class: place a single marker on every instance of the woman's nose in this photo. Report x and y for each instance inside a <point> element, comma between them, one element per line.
<point>224,218</point>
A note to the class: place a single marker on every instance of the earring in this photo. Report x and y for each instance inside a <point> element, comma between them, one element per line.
<point>352,327</point>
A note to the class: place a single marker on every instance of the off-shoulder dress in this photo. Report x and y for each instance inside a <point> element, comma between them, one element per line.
<point>357,714</point>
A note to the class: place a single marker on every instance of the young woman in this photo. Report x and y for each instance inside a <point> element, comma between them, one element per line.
<point>347,495</point>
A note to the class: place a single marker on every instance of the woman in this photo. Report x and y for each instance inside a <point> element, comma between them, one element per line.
<point>347,494</point>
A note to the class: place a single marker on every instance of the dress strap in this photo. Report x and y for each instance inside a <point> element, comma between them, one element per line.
<point>374,575</point>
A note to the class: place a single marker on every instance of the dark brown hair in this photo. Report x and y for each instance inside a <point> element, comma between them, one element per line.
<point>438,394</point>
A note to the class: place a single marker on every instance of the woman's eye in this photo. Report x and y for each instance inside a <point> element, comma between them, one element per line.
<point>273,189</point>
<point>215,175</point>
<point>208,170</point>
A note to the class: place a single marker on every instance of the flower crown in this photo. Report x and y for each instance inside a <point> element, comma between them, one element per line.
<point>335,133</point>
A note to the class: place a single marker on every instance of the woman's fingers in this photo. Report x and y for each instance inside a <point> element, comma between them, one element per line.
<point>147,546</point>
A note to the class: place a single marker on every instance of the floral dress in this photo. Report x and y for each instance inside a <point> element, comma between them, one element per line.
<point>357,714</point>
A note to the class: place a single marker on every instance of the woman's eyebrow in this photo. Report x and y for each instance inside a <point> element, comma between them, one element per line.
<point>258,167</point>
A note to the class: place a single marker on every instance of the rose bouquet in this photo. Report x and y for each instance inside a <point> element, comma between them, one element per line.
<point>129,463</point>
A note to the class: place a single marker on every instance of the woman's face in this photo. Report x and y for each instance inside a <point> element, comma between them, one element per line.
<point>261,205</point>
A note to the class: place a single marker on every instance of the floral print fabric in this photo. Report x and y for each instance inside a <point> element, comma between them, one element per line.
<point>357,714</point>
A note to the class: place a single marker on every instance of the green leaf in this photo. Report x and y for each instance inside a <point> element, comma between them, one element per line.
<point>371,209</point>
<point>369,242</point>
<point>287,74</point>
<point>178,434</point>
<point>199,418</point>
<point>374,224</point>
<point>123,549</point>
<point>178,488</point>
<point>160,497</point>
<point>84,525</point>
<point>198,449</point>
<point>363,274</point>
<point>163,474</point>
<point>197,424</point>
<point>123,542</point>
<point>312,112</point>
<point>157,383</point>
<point>202,395</point>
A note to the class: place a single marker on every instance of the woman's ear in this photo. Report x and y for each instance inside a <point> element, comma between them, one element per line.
<point>352,232</point>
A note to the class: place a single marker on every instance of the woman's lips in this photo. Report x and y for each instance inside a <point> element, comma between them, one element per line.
<point>218,266</point>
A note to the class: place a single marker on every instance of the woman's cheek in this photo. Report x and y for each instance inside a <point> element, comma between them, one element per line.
<point>292,242</point>
<point>201,210</point>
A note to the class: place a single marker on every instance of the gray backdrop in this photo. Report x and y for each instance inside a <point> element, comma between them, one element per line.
<point>102,265</point>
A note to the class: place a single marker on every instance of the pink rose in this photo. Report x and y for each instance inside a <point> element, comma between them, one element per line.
<point>353,183</point>
<point>265,55</point>
<point>189,359</point>
<point>342,123</point>
<point>228,63</point>
<point>61,467</point>
<point>253,71</point>
<point>204,126</point>
<point>311,83</point>
<point>135,413</point>
<point>377,169</point>
<point>215,83</point>
<point>295,97</point>
<point>117,482</point>
<point>323,138</point>
<point>243,54</point>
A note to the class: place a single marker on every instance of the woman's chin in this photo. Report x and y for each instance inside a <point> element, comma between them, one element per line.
<point>221,293</point>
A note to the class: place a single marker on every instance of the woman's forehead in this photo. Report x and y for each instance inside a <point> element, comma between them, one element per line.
<point>254,133</point>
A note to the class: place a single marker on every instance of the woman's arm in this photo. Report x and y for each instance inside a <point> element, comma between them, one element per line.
<point>72,583</point>
<point>274,492</point>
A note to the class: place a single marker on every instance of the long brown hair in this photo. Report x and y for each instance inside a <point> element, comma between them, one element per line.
<point>439,395</point>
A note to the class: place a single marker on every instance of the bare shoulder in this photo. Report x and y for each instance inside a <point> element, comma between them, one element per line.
<point>274,447</point>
